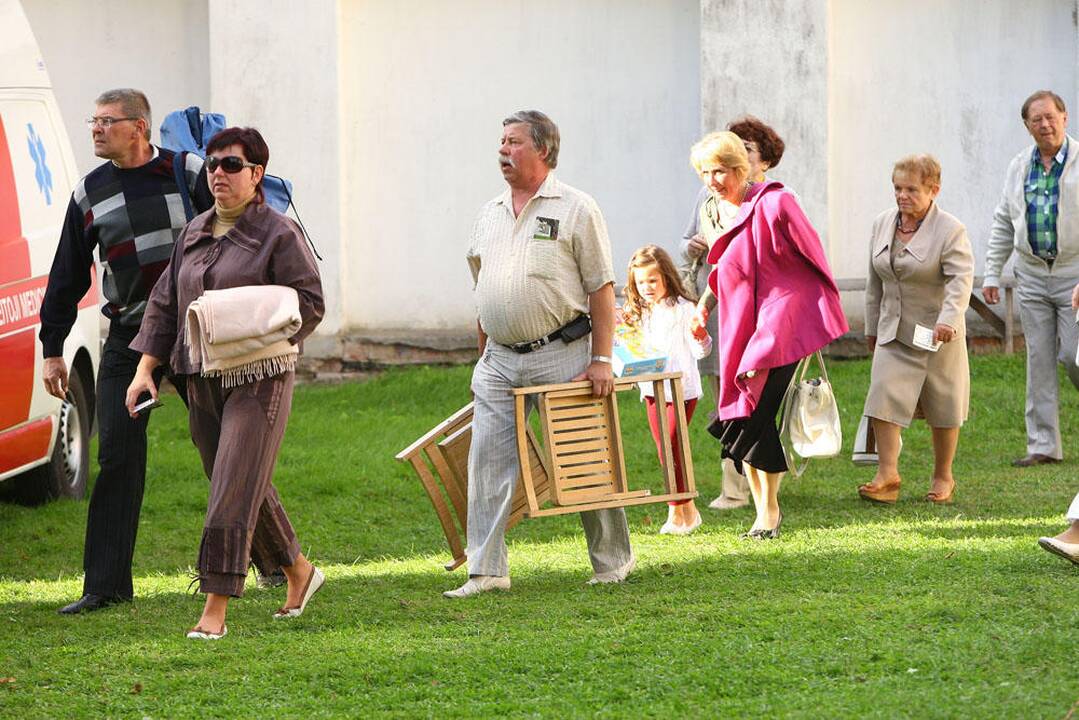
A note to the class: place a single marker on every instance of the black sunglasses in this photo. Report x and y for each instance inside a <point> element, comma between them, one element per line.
<point>230,163</point>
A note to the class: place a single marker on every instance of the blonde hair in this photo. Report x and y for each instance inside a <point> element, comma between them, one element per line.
<point>724,148</point>
<point>647,256</point>
<point>924,166</point>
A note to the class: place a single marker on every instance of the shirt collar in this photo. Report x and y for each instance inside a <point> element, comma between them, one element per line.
<point>550,188</point>
<point>1060,157</point>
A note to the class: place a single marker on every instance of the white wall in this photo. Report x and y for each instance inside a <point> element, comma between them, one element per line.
<point>92,47</point>
<point>769,58</point>
<point>947,78</point>
<point>425,85</point>
<point>285,83</point>
<point>386,114</point>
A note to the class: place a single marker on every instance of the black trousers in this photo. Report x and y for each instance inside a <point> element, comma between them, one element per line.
<point>113,518</point>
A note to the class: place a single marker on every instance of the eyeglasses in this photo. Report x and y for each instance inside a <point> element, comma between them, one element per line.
<point>106,122</point>
<point>230,163</point>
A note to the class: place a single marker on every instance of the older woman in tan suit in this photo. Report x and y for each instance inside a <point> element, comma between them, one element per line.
<point>920,275</point>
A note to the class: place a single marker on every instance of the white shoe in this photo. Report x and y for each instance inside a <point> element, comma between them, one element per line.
<point>725,503</point>
<point>614,576</point>
<point>197,633</point>
<point>672,528</point>
<point>314,582</point>
<point>1068,551</point>
<point>687,529</point>
<point>479,584</point>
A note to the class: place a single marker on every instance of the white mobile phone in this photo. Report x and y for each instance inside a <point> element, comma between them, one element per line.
<point>147,405</point>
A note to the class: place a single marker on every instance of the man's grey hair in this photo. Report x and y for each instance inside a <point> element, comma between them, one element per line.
<point>543,130</point>
<point>133,102</point>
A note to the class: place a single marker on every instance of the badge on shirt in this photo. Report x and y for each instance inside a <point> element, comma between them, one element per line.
<point>546,229</point>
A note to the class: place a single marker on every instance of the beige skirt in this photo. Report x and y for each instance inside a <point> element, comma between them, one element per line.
<point>904,379</point>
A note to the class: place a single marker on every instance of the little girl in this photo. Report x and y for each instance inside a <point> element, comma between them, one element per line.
<point>656,304</point>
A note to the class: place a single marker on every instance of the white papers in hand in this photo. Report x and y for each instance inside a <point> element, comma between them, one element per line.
<point>923,338</point>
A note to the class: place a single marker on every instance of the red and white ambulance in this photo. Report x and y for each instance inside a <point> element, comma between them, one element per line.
<point>44,443</point>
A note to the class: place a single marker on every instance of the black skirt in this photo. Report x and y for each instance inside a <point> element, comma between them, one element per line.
<point>755,439</point>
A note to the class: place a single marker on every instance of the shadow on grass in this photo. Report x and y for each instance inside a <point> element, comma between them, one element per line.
<point>816,561</point>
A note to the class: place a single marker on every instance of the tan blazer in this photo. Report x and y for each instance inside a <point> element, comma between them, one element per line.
<point>931,281</point>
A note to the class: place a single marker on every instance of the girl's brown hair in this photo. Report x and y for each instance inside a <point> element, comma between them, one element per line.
<point>649,255</point>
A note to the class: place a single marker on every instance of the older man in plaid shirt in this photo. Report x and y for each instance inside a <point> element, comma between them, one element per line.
<point>1038,218</point>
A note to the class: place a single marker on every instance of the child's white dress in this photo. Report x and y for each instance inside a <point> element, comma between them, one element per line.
<point>665,327</point>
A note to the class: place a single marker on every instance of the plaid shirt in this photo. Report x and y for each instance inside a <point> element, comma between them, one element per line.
<point>1042,190</point>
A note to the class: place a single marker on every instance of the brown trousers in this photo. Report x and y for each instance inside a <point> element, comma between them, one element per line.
<point>238,433</point>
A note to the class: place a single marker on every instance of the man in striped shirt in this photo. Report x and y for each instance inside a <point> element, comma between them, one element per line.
<point>541,261</point>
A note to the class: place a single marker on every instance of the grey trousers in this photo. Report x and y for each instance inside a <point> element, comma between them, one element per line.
<point>493,467</point>
<point>735,485</point>
<point>1051,335</point>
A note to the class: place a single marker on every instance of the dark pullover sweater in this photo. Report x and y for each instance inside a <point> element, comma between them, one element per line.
<point>133,217</point>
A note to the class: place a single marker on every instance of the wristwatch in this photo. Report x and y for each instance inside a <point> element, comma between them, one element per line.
<point>601,358</point>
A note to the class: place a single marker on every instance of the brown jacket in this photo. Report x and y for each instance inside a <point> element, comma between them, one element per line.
<point>929,284</point>
<point>264,248</point>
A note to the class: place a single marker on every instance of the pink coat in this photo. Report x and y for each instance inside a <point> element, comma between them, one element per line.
<point>777,300</point>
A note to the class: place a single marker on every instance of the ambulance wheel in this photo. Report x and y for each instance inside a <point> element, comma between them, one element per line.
<point>70,464</point>
<point>66,472</point>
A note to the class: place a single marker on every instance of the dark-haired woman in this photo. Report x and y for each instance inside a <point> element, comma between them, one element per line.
<point>764,147</point>
<point>236,422</point>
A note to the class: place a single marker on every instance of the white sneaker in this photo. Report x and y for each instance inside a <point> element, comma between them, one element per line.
<point>725,503</point>
<point>614,576</point>
<point>479,584</point>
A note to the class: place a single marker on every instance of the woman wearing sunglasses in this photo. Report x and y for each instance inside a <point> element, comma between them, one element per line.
<point>237,422</point>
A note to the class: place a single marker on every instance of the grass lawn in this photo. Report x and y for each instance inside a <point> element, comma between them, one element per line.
<point>856,611</point>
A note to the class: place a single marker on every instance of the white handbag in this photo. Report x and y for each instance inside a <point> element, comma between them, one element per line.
<point>810,421</point>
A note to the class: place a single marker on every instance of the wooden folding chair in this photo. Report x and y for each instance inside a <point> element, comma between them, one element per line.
<point>440,458</point>
<point>580,465</point>
<point>582,441</point>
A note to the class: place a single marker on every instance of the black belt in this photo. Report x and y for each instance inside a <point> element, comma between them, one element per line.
<point>573,330</point>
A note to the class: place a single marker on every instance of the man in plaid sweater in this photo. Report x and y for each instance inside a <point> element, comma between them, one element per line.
<point>131,210</point>
<point>1038,219</point>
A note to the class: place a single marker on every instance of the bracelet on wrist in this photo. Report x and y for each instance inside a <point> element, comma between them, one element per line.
<point>601,358</point>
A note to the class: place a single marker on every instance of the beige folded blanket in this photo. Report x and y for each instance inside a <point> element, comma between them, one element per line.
<point>241,334</point>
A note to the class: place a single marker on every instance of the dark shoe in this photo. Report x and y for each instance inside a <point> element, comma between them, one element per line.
<point>1034,459</point>
<point>774,532</point>
<point>763,533</point>
<point>88,603</point>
